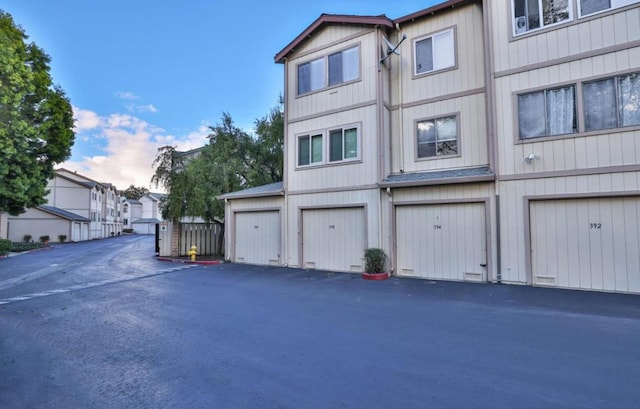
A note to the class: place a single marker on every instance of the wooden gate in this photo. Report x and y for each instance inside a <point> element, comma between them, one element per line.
<point>204,236</point>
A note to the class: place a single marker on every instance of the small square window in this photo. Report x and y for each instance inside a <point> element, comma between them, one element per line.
<point>309,149</point>
<point>343,144</point>
<point>438,137</point>
<point>434,53</point>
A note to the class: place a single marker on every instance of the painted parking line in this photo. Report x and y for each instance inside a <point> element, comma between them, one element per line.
<point>92,285</point>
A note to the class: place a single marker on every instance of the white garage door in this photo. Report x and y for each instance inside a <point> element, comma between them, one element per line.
<point>442,242</point>
<point>333,239</point>
<point>589,244</point>
<point>258,238</point>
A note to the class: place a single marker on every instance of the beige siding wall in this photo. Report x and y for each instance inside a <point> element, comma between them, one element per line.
<point>69,196</point>
<point>469,54</point>
<point>564,41</point>
<point>514,223</point>
<point>243,205</point>
<point>38,223</point>
<point>596,47</point>
<point>369,199</point>
<point>341,174</point>
<point>331,40</point>
<point>459,90</point>
<point>472,135</point>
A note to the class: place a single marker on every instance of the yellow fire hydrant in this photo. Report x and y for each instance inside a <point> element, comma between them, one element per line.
<point>193,252</point>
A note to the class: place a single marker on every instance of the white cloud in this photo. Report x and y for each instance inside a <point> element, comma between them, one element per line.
<point>131,147</point>
<point>141,108</point>
<point>85,120</point>
<point>126,95</point>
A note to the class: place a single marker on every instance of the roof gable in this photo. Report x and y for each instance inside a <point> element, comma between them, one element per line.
<point>331,19</point>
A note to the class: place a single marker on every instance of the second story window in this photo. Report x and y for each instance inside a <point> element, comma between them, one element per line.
<point>434,53</point>
<point>548,112</point>
<point>437,137</point>
<point>343,144</point>
<point>309,149</point>
<point>612,102</point>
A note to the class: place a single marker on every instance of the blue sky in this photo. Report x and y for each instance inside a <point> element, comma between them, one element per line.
<point>142,74</point>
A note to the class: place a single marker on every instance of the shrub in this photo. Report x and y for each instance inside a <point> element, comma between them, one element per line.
<point>375,260</point>
<point>26,238</point>
<point>20,247</point>
<point>127,230</point>
<point>5,246</point>
<point>44,239</point>
<point>62,238</point>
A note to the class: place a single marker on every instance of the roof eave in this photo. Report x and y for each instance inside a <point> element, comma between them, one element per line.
<point>233,196</point>
<point>443,181</point>
<point>331,19</point>
<point>432,10</point>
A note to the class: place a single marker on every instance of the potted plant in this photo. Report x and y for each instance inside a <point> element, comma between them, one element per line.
<point>44,240</point>
<point>374,264</point>
<point>62,238</point>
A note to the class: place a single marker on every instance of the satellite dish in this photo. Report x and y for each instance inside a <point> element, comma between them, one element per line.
<point>391,48</point>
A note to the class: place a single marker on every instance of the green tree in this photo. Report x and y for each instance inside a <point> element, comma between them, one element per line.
<point>233,160</point>
<point>36,120</point>
<point>135,192</point>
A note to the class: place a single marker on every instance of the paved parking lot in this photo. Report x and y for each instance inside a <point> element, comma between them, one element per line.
<point>262,337</point>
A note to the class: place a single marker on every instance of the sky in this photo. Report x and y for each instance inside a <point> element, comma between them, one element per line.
<point>141,74</point>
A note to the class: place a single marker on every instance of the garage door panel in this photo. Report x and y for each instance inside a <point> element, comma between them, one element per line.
<point>258,238</point>
<point>333,239</point>
<point>444,242</point>
<point>591,243</point>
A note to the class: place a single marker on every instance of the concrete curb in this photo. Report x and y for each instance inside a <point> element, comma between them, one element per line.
<point>203,262</point>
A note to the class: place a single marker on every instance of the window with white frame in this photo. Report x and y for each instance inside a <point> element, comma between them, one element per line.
<point>343,144</point>
<point>344,66</point>
<point>93,216</point>
<point>588,7</point>
<point>612,102</point>
<point>437,137</point>
<point>335,69</point>
<point>535,14</point>
<point>309,149</point>
<point>435,52</point>
<point>547,112</point>
<point>311,76</point>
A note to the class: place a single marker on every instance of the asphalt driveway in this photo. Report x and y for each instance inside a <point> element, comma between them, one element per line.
<point>235,336</point>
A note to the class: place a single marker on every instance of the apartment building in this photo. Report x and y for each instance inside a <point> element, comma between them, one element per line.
<point>500,145</point>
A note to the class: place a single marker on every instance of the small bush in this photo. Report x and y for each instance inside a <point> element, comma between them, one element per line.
<point>26,238</point>
<point>375,260</point>
<point>44,239</point>
<point>127,230</point>
<point>5,247</point>
<point>20,247</point>
<point>62,238</point>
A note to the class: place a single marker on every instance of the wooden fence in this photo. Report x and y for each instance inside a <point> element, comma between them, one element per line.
<point>203,235</point>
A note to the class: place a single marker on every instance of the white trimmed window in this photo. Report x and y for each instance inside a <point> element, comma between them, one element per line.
<point>531,15</point>
<point>344,66</point>
<point>311,76</point>
<point>612,102</point>
<point>434,53</point>
<point>343,144</point>
<point>437,137</point>
<point>309,149</point>
<point>548,112</point>
<point>328,71</point>
<point>587,7</point>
